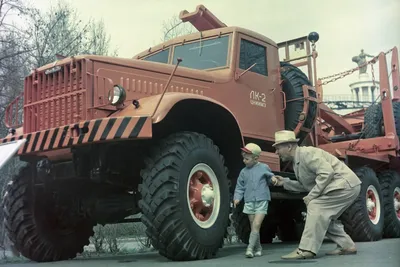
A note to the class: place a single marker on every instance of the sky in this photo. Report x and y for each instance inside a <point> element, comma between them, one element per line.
<point>344,26</point>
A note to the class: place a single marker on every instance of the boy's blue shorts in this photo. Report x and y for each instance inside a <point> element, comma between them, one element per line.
<point>256,207</point>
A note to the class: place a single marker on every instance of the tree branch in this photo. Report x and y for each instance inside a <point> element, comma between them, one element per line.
<point>14,54</point>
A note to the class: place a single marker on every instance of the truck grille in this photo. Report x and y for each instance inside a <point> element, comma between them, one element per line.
<point>55,97</point>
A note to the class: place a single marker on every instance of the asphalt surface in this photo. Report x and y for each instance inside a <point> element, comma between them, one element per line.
<point>385,253</point>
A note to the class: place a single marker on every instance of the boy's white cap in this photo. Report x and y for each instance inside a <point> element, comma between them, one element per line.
<point>252,148</point>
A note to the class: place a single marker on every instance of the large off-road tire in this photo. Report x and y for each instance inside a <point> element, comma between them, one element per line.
<point>390,184</point>
<point>293,80</point>
<point>183,169</point>
<point>5,241</point>
<point>364,219</point>
<point>290,231</point>
<point>396,115</point>
<point>2,230</point>
<point>373,121</point>
<point>291,220</point>
<point>242,227</point>
<point>33,230</point>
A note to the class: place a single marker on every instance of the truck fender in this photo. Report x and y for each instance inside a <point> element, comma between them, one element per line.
<point>147,105</point>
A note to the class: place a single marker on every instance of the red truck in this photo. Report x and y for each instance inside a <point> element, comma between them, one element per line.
<point>160,134</point>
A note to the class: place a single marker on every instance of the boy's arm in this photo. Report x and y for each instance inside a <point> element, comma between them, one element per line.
<point>239,190</point>
<point>268,174</point>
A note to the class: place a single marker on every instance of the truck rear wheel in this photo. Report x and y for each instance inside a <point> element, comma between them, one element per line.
<point>33,228</point>
<point>290,231</point>
<point>390,183</point>
<point>293,80</point>
<point>185,197</point>
<point>291,220</point>
<point>364,219</point>
<point>5,241</point>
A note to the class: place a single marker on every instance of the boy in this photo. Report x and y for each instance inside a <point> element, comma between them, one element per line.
<point>253,184</point>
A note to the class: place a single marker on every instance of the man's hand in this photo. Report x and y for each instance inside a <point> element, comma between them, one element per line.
<point>236,202</point>
<point>277,180</point>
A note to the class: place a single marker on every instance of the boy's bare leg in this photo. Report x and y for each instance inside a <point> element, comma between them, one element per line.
<point>251,219</point>
<point>255,228</point>
<point>257,222</point>
<point>252,240</point>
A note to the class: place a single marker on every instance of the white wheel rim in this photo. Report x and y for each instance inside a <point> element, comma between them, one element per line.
<point>373,204</point>
<point>203,195</point>
<point>396,202</point>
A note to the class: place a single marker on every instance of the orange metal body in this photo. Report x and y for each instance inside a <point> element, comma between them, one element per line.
<point>66,103</point>
<point>75,94</point>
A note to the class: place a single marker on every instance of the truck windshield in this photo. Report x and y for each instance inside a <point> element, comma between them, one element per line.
<point>204,54</point>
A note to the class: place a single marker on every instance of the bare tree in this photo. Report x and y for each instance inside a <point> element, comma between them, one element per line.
<point>98,42</point>
<point>12,70</point>
<point>12,57</point>
<point>60,31</point>
<point>174,27</point>
<point>9,8</point>
<point>34,44</point>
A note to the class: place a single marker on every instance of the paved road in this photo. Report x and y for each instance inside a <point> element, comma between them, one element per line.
<point>385,253</point>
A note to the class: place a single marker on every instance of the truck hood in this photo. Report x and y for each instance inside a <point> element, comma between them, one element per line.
<point>215,76</point>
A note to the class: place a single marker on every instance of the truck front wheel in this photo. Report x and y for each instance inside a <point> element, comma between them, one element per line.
<point>33,225</point>
<point>185,197</point>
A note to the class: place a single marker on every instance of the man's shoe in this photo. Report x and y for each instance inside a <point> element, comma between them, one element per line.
<point>342,251</point>
<point>249,253</point>
<point>298,254</point>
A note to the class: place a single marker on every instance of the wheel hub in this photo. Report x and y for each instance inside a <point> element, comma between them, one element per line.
<point>396,201</point>
<point>373,204</point>
<point>370,205</point>
<point>203,195</point>
<point>207,195</point>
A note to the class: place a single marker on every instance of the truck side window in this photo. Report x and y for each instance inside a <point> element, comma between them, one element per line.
<point>251,53</point>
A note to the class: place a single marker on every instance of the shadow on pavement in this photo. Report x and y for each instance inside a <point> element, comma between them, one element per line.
<point>154,256</point>
<point>227,251</point>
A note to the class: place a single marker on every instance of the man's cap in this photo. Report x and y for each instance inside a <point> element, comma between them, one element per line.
<point>252,148</point>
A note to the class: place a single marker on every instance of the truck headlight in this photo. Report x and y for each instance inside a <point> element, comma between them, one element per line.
<point>119,95</point>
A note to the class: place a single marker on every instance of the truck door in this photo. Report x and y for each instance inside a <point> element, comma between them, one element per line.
<point>259,88</point>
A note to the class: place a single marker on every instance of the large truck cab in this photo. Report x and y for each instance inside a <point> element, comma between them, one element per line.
<point>243,70</point>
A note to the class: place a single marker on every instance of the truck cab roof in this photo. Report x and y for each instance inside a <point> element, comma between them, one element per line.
<point>203,35</point>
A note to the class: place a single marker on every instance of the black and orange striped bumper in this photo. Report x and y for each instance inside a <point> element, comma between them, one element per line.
<point>99,130</point>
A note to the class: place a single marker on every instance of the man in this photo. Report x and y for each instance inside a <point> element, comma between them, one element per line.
<point>332,187</point>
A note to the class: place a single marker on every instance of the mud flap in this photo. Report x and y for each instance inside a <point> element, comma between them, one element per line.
<point>8,150</point>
